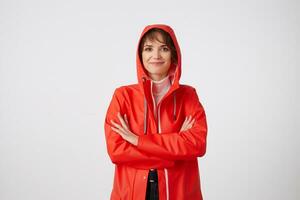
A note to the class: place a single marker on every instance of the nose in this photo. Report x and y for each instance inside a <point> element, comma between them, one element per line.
<point>156,54</point>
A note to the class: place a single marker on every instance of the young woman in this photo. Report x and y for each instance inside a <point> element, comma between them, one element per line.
<point>156,129</point>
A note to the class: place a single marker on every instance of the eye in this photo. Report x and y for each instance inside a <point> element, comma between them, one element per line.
<point>165,49</point>
<point>147,49</point>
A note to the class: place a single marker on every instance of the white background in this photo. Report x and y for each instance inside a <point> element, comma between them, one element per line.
<point>60,62</point>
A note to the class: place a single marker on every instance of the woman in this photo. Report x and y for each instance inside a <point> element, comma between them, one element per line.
<point>156,129</point>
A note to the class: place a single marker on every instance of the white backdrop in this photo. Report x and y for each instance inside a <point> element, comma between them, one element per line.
<point>60,62</point>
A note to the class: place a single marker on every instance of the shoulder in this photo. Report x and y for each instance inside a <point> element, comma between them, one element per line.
<point>125,90</point>
<point>187,89</point>
<point>189,92</point>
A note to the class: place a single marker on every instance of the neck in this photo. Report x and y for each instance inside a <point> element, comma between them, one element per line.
<point>160,88</point>
<point>157,77</point>
<point>158,82</point>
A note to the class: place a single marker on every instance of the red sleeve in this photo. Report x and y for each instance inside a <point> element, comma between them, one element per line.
<point>121,151</point>
<point>183,145</point>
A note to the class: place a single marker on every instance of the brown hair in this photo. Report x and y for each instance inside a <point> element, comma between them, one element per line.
<point>151,35</point>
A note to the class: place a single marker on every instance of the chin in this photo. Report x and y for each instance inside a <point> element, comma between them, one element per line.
<point>156,72</point>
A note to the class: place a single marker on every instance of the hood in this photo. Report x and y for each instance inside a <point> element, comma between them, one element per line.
<point>174,72</point>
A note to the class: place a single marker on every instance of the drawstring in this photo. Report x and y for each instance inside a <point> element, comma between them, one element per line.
<point>174,106</point>
<point>145,110</point>
<point>145,115</point>
<point>174,100</point>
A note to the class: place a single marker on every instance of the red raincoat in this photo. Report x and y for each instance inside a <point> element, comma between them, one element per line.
<point>160,143</point>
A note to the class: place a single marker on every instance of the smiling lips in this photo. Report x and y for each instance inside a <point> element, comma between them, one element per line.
<point>156,63</point>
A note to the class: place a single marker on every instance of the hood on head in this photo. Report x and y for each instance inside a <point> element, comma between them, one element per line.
<point>175,71</point>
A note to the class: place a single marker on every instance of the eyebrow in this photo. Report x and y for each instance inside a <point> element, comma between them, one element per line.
<point>149,45</point>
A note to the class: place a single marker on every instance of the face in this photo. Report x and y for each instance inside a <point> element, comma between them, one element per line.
<point>156,58</point>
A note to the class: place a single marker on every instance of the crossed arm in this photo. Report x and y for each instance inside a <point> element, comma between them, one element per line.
<point>155,150</point>
<point>124,131</point>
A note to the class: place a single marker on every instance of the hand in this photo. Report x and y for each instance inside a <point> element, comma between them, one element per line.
<point>123,130</point>
<point>187,124</point>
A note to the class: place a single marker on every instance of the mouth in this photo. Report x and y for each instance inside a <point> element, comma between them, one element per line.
<point>156,63</point>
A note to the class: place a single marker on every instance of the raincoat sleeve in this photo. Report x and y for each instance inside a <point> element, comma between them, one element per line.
<point>121,151</point>
<point>183,145</point>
